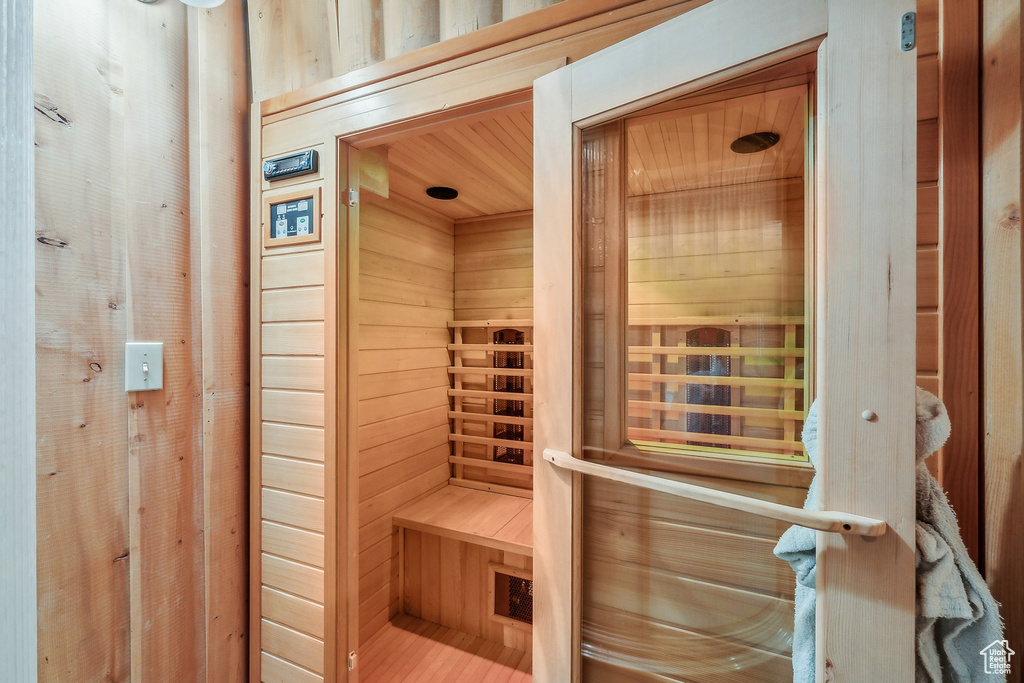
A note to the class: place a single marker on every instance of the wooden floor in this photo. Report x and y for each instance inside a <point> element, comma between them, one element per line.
<point>410,650</point>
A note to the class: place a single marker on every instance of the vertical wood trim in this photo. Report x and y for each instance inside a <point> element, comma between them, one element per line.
<point>164,429</point>
<point>960,242</point>
<point>360,35</point>
<point>869,261</point>
<point>218,127</point>
<point>1001,139</point>
<point>255,399</point>
<point>335,457</point>
<point>17,338</point>
<point>554,316</point>
<point>349,383</point>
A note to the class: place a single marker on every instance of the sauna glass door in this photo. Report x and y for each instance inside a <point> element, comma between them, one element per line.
<point>724,232</point>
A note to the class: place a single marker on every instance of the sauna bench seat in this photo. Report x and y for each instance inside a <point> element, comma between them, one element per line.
<point>493,520</point>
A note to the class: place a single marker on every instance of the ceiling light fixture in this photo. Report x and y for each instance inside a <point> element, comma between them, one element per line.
<point>755,142</point>
<point>442,193</point>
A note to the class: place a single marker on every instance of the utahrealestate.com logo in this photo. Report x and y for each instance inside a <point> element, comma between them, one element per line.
<point>997,657</point>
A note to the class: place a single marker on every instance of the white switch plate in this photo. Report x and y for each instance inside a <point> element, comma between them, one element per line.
<point>143,366</point>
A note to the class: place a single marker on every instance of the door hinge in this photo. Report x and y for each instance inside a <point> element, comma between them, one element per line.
<point>908,25</point>
<point>353,197</point>
<point>351,661</point>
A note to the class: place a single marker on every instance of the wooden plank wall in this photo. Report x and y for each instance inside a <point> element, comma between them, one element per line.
<point>295,44</point>
<point>219,138</point>
<point>494,268</point>
<point>124,515</point>
<point>1002,136</point>
<point>446,582</point>
<point>405,289</point>
<point>17,338</point>
<point>292,453</point>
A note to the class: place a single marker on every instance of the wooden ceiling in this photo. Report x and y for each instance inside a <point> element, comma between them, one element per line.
<point>487,158</point>
<point>689,148</point>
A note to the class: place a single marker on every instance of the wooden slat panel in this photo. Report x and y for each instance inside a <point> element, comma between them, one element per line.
<point>292,577</point>
<point>293,270</point>
<point>927,87</point>
<point>292,646</point>
<point>293,339</point>
<point>292,372</point>
<point>291,45</point>
<point>292,611</point>
<point>928,151</point>
<point>384,503</point>
<point>927,278</point>
<point>83,593</point>
<point>927,342</point>
<point>927,215</point>
<point>297,476</point>
<point>298,407</point>
<point>275,670</point>
<point>292,543</point>
<point>293,509</point>
<point>294,441</point>
<point>304,303</point>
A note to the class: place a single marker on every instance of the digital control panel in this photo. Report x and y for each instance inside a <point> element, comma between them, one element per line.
<point>291,219</point>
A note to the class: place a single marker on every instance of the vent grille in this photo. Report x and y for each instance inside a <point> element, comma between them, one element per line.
<point>513,595</point>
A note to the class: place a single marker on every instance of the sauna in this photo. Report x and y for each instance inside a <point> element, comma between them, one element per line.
<point>514,326</point>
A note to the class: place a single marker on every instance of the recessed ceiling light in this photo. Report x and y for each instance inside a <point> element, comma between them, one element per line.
<point>755,142</point>
<point>443,193</point>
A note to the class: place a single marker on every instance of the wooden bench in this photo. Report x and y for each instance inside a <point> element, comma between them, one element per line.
<point>493,520</point>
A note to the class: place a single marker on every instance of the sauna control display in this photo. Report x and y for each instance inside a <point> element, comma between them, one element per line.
<point>292,219</point>
<point>291,165</point>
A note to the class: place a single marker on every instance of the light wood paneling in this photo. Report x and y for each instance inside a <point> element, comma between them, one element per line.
<point>458,17</point>
<point>295,407</point>
<point>291,372</point>
<point>300,304</point>
<point>488,158</point>
<point>292,543</point>
<point>302,511</point>
<point>1001,196</point>
<point>292,577</point>
<point>446,583</point>
<point>276,670</point>
<point>219,136</point>
<point>409,24</point>
<point>293,270</point>
<point>292,611</point>
<point>293,646</point>
<point>494,268</point>
<point>297,476</point>
<point>292,44</point>
<point>293,339</point>
<point>359,34</point>
<point>293,440</point>
<point>18,632</point>
<point>406,293</point>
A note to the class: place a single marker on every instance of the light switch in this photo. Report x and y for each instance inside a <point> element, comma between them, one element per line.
<point>143,366</point>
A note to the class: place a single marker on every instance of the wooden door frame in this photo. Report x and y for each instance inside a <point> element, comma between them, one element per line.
<point>858,44</point>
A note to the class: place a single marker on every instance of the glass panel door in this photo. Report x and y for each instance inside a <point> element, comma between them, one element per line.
<point>695,310</point>
<point>724,231</point>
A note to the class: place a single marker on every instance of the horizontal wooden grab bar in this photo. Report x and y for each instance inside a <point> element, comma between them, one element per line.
<point>840,522</point>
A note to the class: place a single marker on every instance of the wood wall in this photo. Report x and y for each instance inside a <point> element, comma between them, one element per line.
<point>406,258</point>
<point>17,372</point>
<point>447,582</point>
<point>141,497</point>
<point>1002,187</point>
<point>494,268</point>
<point>290,478</point>
<point>295,44</point>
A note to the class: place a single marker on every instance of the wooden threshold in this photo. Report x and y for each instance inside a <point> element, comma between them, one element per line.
<point>411,650</point>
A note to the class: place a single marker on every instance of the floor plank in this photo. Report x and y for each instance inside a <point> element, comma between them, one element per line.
<point>408,649</point>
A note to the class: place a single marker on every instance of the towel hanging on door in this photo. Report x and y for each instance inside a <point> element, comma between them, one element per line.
<point>957,616</point>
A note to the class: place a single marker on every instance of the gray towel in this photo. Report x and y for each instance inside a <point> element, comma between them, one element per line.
<point>956,615</point>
